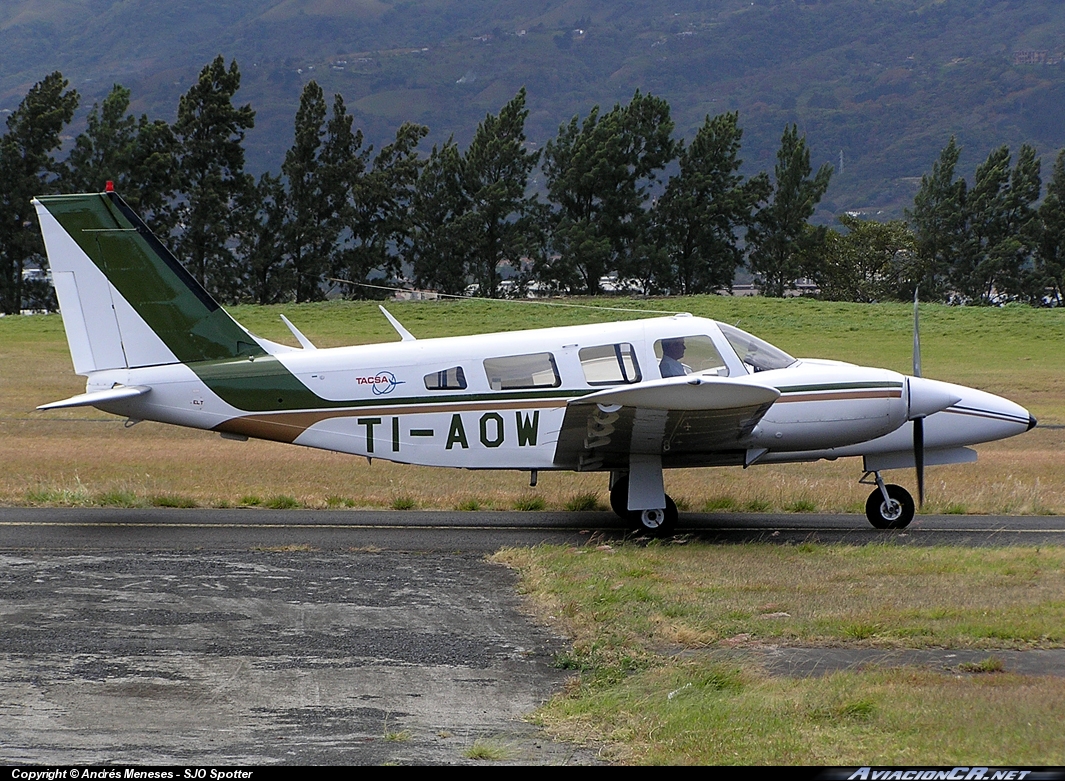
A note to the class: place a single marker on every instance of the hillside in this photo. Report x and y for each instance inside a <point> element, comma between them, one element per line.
<point>885,82</point>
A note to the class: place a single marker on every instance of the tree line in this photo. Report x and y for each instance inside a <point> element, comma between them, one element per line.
<point>620,199</point>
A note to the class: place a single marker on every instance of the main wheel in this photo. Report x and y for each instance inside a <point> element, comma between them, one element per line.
<point>657,523</point>
<point>619,497</point>
<point>895,514</point>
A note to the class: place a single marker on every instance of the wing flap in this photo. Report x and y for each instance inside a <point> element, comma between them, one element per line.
<point>99,397</point>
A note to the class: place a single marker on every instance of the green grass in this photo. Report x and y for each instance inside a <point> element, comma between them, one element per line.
<point>528,503</point>
<point>991,664</point>
<point>584,502</point>
<point>281,502</point>
<point>648,626</point>
<point>172,500</point>
<point>730,714</point>
<point>719,504</point>
<point>487,750</point>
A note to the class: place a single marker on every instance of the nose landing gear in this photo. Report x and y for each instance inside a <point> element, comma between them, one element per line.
<point>888,506</point>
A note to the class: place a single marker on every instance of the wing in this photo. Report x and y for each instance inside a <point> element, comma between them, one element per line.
<point>689,421</point>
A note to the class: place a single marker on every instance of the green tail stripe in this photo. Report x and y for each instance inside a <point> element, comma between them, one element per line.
<point>150,278</point>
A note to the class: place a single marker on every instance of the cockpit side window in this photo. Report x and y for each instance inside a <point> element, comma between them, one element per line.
<point>696,354</point>
<point>610,364</point>
<point>757,354</point>
<point>446,379</point>
<point>520,372</point>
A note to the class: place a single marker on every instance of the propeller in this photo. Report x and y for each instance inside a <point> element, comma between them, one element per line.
<point>918,422</point>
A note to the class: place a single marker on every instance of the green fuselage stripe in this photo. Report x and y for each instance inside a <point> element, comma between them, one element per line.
<point>265,385</point>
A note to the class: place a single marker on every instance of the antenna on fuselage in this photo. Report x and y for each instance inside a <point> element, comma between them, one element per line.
<point>305,343</point>
<point>404,334</point>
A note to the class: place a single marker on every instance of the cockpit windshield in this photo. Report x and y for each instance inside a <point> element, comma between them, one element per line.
<point>758,355</point>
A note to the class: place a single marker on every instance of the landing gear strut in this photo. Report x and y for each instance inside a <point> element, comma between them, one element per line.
<point>888,506</point>
<point>657,522</point>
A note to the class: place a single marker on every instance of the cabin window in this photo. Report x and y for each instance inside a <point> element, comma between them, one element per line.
<point>610,364</point>
<point>758,355</point>
<point>680,355</point>
<point>519,372</point>
<point>446,379</point>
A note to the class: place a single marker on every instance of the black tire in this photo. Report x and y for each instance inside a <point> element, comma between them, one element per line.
<point>897,517</point>
<point>643,521</point>
<point>656,523</point>
<point>619,498</point>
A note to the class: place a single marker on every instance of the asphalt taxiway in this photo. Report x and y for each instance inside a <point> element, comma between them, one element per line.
<point>112,529</point>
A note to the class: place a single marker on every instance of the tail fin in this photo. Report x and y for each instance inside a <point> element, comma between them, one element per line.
<point>126,300</point>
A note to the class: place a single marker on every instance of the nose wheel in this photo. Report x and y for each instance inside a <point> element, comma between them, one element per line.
<point>893,512</point>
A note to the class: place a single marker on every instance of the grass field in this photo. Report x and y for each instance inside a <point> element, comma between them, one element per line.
<point>658,634</point>
<point>646,623</point>
<point>82,456</point>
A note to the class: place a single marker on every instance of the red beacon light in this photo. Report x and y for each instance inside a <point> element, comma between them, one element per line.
<point>109,187</point>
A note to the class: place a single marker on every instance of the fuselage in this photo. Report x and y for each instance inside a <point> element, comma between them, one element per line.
<point>505,400</point>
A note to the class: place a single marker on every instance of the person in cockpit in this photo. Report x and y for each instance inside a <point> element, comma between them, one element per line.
<point>672,352</point>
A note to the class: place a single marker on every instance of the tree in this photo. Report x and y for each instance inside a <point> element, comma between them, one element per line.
<point>599,176</point>
<point>500,219</point>
<point>379,223</point>
<point>138,156</point>
<point>992,261</point>
<point>28,168</point>
<point>262,213</point>
<point>781,241</point>
<point>210,131</point>
<point>938,223</point>
<point>438,247</point>
<point>101,153</point>
<point>1050,255</point>
<point>704,207</point>
<point>866,263</point>
<point>318,189</point>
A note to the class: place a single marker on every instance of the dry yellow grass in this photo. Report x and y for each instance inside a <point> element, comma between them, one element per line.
<point>94,454</point>
<point>82,455</point>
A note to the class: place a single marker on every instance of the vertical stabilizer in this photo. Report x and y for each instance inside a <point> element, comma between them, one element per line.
<point>126,300</point>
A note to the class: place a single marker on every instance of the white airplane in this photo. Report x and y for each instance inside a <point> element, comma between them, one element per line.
<point>629,398</point>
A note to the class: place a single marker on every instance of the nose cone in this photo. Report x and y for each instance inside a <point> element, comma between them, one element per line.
<point>976,417</point>
<point>1032,422</point>
<point>928,396</point>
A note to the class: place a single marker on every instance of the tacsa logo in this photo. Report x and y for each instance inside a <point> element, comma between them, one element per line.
<point>382,383</point>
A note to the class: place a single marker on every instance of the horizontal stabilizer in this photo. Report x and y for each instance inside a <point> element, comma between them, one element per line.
<point>686,393</point>
<point>98,397</point>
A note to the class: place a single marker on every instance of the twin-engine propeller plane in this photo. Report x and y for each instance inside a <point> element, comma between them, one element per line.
<point>629,398</point>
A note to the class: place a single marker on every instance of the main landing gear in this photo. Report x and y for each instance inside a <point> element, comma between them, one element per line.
<point>657,522</point>
<point>888,506</point>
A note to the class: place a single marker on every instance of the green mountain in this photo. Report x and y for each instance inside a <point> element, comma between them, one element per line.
<point>885,83</point>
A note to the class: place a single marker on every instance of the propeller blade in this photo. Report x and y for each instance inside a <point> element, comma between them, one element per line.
<point>916,338</point>
<point>918,457</point>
